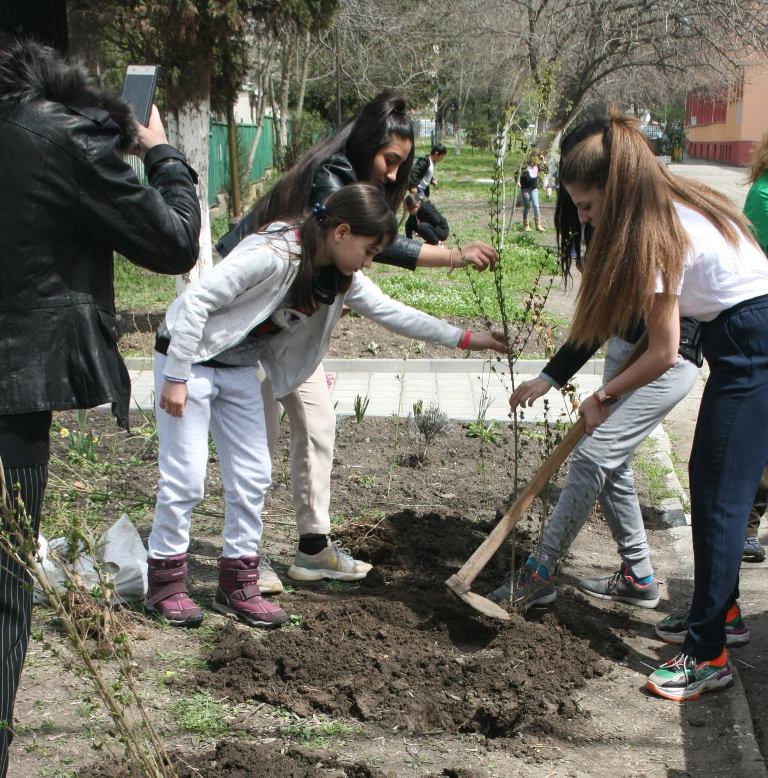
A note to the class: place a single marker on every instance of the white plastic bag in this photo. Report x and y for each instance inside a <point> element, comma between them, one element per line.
<point>120,546</point>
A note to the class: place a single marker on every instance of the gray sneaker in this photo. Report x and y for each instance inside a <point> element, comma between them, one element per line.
<point>269,583</point>
<point>622,587</point>
<point>753,550</point>
<point>531,591</point>
<point>332,562</point>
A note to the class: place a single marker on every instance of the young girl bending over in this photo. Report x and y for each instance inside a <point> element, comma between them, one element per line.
<point>273,300</point>
<point>662,246</point>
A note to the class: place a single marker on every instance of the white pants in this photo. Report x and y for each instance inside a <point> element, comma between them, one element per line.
<point>313,433</point>
<point>226,401</point>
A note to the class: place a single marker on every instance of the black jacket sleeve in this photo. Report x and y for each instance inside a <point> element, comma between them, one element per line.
<point>157,226</point>
<point>418,171</point>
<point>569,358</point>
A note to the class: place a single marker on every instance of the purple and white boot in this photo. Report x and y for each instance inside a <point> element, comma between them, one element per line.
<point>167,597</point>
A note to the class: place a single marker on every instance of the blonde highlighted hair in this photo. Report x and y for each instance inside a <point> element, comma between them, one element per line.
<point>638,235</point>
<point>759,160</point>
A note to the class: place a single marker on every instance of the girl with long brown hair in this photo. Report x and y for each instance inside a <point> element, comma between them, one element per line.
<point>376,145</point>
<point>662,246</point>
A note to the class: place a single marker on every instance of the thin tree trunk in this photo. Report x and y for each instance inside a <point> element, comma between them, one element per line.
<point>189,127</point>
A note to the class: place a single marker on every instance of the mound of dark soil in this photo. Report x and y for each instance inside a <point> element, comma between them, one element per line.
<point>400,650</point>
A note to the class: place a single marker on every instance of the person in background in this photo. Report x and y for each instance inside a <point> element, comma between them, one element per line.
<point>529,191</point>
<point>756,210</point>
<point>423,174</point>
<point>68,201</point>
<point>425,221</point>
<point>374,146</point>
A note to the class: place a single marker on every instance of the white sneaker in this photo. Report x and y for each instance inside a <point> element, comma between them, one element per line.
<point>269,583</point>
<point>332,562</point>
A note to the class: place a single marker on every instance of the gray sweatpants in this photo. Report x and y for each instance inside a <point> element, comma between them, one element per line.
<point>601,466</point>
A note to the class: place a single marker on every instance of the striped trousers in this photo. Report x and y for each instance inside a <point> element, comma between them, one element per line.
<point>27,483</point>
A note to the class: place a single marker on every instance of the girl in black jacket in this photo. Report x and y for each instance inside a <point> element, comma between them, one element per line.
<point>375,146</point>
<point>68,201</point>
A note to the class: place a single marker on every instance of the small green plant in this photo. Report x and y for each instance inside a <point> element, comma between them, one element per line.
<point>320,732</point>
<point>485,432</point>
<point>82,441</point>
<point>372,347</point>
<point>360,407</point>
<point>430,423</point>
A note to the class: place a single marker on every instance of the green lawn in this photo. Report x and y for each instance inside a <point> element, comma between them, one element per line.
<point>463,197</point>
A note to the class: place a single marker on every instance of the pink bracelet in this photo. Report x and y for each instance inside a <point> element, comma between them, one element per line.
<point>464,342</point>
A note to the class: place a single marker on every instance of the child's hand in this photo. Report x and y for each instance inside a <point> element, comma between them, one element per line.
<point>494,341</point>
<point>173,398</point>
<point>528,391</point>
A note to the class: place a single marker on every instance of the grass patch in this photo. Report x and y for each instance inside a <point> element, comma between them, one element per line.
<point>320,733</point>
<point>653,472</point>
<point>138,289</point>
<point>201,714</point>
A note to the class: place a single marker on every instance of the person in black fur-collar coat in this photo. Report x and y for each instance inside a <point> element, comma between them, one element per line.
<point>68,200</point>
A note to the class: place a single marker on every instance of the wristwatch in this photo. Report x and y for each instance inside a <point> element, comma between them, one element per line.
<point>603,397</point>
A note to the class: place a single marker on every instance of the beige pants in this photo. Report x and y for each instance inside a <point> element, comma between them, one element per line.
<point>313,432</point>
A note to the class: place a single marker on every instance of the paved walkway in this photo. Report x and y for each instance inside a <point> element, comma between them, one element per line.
<point>457,386</point>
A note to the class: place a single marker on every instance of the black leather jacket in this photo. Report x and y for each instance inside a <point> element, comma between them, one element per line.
<point>67,201</point>
<point>335,172</point>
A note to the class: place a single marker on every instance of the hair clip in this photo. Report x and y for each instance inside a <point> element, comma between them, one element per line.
<point>319,211</point>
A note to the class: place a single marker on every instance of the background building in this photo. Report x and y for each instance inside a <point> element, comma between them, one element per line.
<point>726,125</point>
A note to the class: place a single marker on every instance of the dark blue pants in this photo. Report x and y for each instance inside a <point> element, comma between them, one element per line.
<point>729,452</point>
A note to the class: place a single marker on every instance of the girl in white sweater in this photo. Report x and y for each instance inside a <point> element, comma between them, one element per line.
<point>273,300</point>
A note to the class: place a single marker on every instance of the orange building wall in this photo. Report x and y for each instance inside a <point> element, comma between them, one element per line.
<point>733,141</point>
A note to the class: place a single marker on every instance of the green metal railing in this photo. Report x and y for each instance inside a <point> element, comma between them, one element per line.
<point>218,155</point>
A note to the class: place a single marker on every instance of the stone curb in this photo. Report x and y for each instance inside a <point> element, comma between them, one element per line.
<point>672,508</point>
<point>524,366</point>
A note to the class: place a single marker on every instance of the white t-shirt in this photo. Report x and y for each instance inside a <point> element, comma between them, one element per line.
<point>716,274</point>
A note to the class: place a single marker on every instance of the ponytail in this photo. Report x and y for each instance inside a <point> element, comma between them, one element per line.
<point>638,236</point>
<point>361,206</point>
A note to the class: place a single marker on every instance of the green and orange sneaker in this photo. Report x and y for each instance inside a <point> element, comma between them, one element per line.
<point>682,678</point>
<point>673,628</point>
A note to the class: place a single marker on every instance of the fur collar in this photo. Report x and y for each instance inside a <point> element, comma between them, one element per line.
<point>30,71</point>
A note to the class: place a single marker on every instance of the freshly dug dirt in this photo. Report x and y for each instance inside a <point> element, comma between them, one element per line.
<point>399,650</point>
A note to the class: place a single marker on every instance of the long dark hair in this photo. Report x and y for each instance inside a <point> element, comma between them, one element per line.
<point>359,138</point>
<point>567,225</point>
<point>363,208</point>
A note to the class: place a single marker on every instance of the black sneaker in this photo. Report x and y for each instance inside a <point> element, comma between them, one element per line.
<point>753,550</point>
<point>622,587</point>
